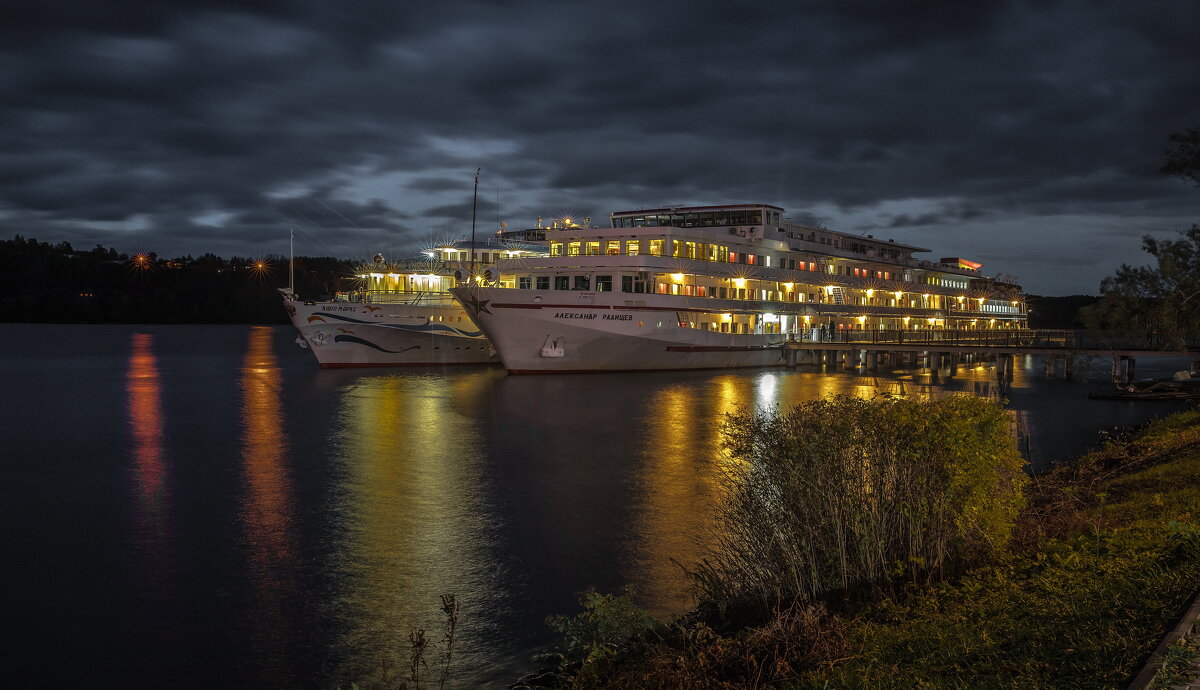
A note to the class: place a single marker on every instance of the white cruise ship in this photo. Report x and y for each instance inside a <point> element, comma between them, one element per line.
<point>401,314</point>
<point>716,287</point>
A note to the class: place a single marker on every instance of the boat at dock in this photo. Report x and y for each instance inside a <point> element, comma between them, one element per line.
<point>719,287</point>
<point>401,313</point>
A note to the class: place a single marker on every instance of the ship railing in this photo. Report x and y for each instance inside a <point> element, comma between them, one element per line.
<point>1061,339</point>
<point>432,298</point>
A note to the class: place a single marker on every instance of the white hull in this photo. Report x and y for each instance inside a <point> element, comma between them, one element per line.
<point>604,333</point>
<point>354,334</point>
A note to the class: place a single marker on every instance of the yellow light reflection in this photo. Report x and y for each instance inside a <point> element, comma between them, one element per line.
<point>267,506</point>
<point>411,510</point>
<point>146,427</point>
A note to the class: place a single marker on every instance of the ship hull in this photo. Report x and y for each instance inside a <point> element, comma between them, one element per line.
<point>348,334</point>
<point>547,337</point>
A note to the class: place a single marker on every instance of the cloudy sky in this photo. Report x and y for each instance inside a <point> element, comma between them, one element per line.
<point>1026,135</point>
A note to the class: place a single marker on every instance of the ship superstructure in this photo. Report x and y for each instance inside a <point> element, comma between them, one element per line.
<point>719,286</point>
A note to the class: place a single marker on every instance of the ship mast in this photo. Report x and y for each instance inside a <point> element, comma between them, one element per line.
<point>474,203</point>
<point>292,262</point>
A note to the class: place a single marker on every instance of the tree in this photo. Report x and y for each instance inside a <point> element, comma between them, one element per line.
<point>1183,157</point>
<point>1162,300</point>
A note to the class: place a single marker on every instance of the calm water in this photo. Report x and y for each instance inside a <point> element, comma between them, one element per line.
<point>191,505</point>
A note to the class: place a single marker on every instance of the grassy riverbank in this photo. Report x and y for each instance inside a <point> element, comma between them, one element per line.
<point>1100,560</point>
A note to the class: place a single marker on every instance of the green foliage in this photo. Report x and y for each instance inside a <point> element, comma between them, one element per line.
<point>606,624</point>
<point>848,495</point>
<point>1178,664</point>
<point>1183,156</point>
<point>1161,302</point>
<point>1082,612</point>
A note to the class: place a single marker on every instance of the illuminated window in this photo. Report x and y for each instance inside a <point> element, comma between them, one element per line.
<point>633,247</point>
<point>573,248</point>
<point>656,247</point>
<point>593,249</point>
<point>676,248</point>
<point>612,247</point>
<point>690,251</point>
<point>556,249</point>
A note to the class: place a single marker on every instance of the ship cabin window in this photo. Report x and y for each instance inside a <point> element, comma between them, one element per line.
<point>562,282</point>
<point>633,247</point>
<point>694,219</point>
<point>750,259</point>
<point>676,249</point>
<point>733,257</point>
<point>524,282</point>
<point>604,283</point>
<point>581,282</point>
<point>656,247</point>
<point>689,250</point>
<point>634,284</point>
<point>556,249</point>
<point>593,249</point>
<point>543,282</point>
<point>573,248</point>
<point>612,247</point>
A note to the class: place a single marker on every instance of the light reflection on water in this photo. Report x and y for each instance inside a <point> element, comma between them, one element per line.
<point>293,525</point>
<point>412,521</point>
<point>149,466</point>
<point>267,507</point>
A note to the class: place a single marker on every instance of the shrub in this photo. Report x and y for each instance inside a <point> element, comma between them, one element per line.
<point>853,496</point>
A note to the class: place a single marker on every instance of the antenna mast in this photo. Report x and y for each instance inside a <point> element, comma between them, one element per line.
<point>474,203</point>
<point>292,262</point>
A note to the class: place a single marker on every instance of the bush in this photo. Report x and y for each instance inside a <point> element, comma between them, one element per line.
<point>855,496</point>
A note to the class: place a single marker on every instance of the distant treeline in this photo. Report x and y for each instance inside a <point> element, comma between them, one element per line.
<point>41,282</point>
<point>1058,312</point>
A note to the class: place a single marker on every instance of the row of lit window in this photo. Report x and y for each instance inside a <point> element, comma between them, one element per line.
<point>703,219</point>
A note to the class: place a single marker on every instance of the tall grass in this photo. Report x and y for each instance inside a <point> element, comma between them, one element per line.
<point>854,497</point>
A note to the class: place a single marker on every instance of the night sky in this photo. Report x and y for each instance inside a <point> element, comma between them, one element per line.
<point>1025,135</point>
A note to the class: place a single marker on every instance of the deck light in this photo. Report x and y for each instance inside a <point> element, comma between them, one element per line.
<point>677,277</point>
<point>862,319</point>
<point>739,282</point>
<point>870,293</point>
<point>789,286</point>
<point>906,320</point>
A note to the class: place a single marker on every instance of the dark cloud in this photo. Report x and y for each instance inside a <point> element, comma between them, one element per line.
<point>213,126</point>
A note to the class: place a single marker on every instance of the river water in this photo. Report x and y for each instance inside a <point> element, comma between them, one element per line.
<point>202,505</point>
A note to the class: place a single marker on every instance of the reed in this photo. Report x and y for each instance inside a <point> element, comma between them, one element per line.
<point>853,497</point>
